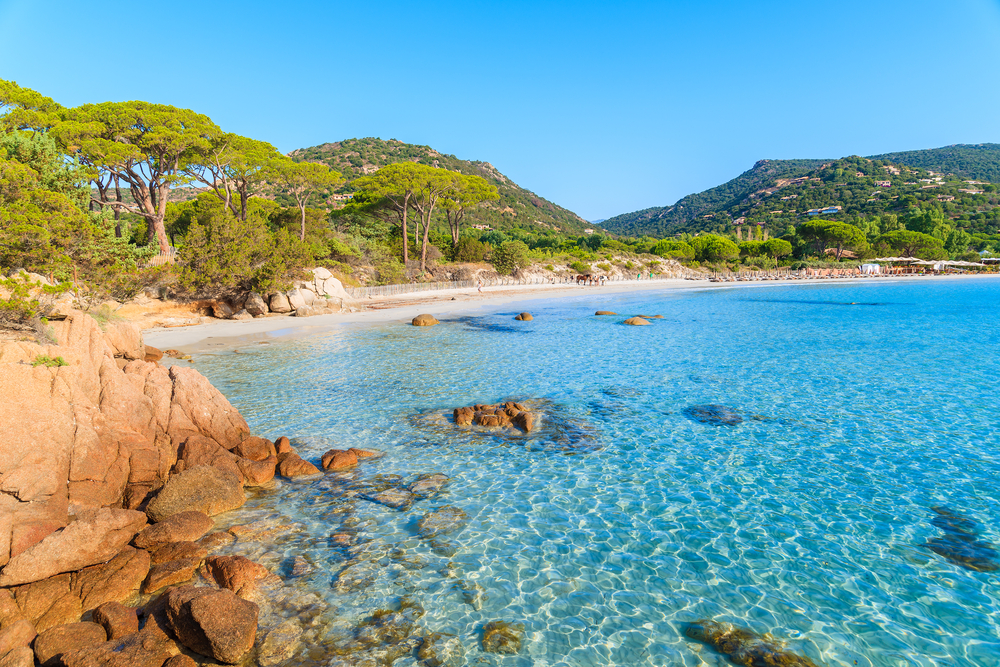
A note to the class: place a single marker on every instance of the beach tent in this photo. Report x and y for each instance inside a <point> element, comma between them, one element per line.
<point>870,269</point>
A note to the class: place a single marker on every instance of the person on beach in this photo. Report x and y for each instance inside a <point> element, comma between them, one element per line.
<point>480,286</point>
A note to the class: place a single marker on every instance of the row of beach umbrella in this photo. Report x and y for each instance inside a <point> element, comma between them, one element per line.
<point>925,262</point>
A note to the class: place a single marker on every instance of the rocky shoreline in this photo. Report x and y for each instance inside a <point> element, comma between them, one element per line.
<point>112,468</point>
<point>112,471</point>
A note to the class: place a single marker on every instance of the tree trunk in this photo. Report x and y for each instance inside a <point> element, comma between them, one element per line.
<point>406,249</point>
<point>118,209</point>
<point>302,209</point>
<point>427,233</point>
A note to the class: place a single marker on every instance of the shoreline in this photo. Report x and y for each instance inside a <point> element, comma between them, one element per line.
<point>451,302</point>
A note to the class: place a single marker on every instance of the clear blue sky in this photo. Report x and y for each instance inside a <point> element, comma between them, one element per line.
<point>601,107</point>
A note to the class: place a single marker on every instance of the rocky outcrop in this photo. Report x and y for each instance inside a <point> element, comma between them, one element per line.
<point>95,537</point>
<point>101,432</point>
<point>339,459</point>
<point>214,623</point>
<point>116,619</point>
<point>200,489</point>
<point>238,574</point>
<point>255,305</point>
<point>279,303</point>
<point>52,643</point>
<point>290,464</point>
<point>296,299</point>
<point>179,527</point>
<point>496,416</point>
<point>441,521</point>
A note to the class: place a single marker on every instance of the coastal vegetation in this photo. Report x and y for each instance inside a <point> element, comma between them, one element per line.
<point>113,198</point>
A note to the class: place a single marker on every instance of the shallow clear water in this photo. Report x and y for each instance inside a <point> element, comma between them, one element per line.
<point>863,405</point>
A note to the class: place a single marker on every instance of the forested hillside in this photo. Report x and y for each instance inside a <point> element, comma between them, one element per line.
<point>969,161</point>
<point>663,221</point>
<point>517,208</point>
<point>780,194</point>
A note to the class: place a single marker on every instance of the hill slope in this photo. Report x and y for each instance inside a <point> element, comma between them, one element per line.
<point>967,161</point>
<point>517,207</point>
<point>665,220</point>
<point>778,193</point>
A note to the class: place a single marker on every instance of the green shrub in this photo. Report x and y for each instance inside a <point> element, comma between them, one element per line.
<point>51,362</point>
<point>19,309</point>
<point>224,255</point>
<point>580,267</point>
<point>549,267</point>
<point>673,249</point>
<point>604,266</point>
<point>509,257</point>
<point>470,250</point>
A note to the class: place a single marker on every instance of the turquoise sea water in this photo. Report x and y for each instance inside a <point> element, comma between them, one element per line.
<point>863,406</point>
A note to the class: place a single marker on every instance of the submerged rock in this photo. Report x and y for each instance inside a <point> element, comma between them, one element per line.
<point>524,317</point>
<point>442,521</point>
<point>744,647</point>
<point>356,576</point>
<point>960,543</point>
<point>280,644</point>
<point>605,312</point>
<point>439,650</point>
<point>636,321</point>
<point>502,637</point>
<point>718,415</point>
<point>428,485</point>
<point>395,498</point>
<point>378,641</point>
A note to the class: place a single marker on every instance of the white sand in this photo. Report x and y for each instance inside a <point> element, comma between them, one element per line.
<point>403,308</point>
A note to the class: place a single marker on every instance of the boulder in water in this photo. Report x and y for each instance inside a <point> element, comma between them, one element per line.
<point>718,415</point>
<point>424,320</point>
<point>605,312</point>
<point>636,322</point>
<point>524,317</point>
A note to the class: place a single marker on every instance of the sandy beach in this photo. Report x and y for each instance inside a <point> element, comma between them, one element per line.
<point>445,303</point>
